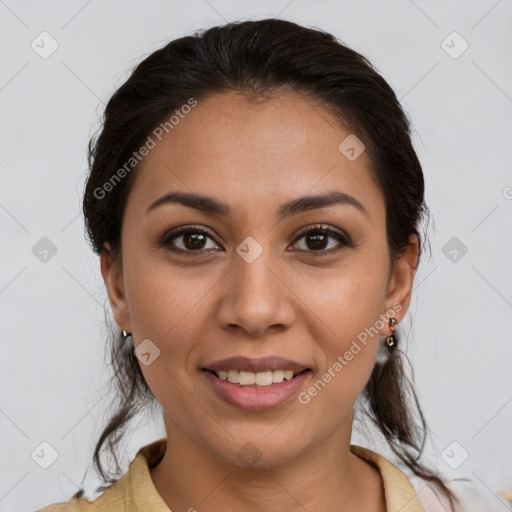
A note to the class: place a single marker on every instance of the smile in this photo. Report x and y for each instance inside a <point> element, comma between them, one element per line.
<point>256,397</point>
<point>259,379</point>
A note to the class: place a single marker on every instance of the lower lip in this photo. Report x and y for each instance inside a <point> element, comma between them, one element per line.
<point>257,399</point>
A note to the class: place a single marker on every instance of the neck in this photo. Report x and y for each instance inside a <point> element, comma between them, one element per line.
<point>328,477</point>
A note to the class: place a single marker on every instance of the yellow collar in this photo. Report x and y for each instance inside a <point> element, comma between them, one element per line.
<point>136,492</point>
<point>399,492</point>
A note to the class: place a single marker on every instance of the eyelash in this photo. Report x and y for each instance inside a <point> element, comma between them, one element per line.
<point>344,240</point>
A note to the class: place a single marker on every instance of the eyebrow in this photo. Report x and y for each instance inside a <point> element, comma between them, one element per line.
<point>213,206</point>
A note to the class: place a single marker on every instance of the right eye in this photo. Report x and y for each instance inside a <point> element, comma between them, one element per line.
<point>190,239</point>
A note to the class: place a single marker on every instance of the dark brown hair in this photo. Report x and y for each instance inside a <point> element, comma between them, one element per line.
<point>257,58</point>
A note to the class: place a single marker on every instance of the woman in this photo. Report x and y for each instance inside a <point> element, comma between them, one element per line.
<point>255,200</point>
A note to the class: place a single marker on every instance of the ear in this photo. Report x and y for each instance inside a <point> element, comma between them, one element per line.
<point>401,280</point>
<point>113,277</point>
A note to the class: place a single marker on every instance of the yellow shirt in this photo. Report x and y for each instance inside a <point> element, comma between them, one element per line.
<point>135,491</point>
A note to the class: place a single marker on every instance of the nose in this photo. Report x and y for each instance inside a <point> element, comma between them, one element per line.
<point>256,297</point>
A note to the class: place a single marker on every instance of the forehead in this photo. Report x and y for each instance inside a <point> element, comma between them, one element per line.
<point>253,151</point>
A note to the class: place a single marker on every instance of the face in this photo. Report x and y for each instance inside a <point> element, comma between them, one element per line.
<point>306,288</point>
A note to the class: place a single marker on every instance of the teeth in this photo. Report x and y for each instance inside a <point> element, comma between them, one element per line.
<point>288,374</point>
<point>244,378</point>
<point>263,378</point>
<point>277,376</point>
<point>233,376</point>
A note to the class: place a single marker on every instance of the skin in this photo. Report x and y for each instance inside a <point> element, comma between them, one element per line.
<point>199,308</point>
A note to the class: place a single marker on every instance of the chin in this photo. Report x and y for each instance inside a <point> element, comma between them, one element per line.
<point>259,452</point>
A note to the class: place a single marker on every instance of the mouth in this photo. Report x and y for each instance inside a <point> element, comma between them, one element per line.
<point>256,384</point>
<point>249,379</point>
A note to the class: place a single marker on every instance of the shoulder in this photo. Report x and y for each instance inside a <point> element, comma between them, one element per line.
<point>405,491</point>
<point>111,499</point>
<point>73,505</point>
<point>132,492</point>
<point>472,496</point>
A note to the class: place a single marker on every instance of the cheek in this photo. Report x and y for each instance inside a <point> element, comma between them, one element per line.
<point>162,298</point>
<point>347,300</point>
<point>348,352</point>
<point>345,321</point>
<point>166,305</point>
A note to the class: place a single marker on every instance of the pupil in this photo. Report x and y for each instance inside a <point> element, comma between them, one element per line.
<point>195,239</point>
<point>317,238</point>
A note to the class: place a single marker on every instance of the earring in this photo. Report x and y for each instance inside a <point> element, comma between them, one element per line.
<point>127,337</point>
<point>391,340</point>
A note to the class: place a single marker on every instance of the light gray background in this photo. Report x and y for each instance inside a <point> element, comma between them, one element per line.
<point>52,335</point>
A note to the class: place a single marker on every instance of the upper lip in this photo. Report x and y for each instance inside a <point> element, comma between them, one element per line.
<point>265,364</point>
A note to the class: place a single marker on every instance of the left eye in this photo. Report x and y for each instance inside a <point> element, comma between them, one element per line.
<point>317,240</point>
